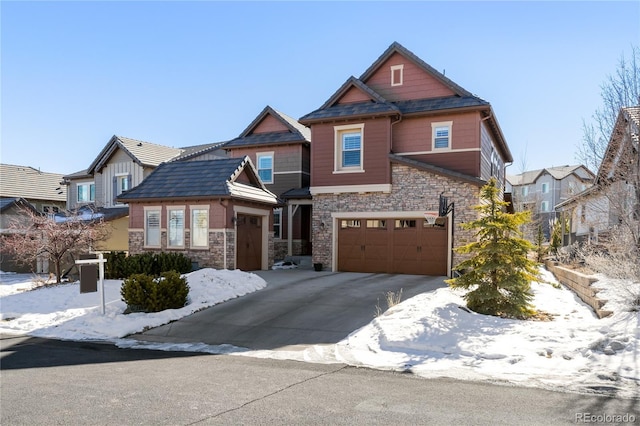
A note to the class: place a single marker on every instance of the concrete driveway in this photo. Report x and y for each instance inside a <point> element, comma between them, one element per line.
<point>298,307</point>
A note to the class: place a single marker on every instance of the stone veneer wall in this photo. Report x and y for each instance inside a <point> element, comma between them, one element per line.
<point>412,190</point>
<point>281,248</point>
<point>213,257</point>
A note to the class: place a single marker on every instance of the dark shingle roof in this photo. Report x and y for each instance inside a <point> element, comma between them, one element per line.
<point>186,180</point>
<point>201,179</point>
<point>296,132</point>
<point>265,139</point>
<point>438,104</point>
<point>296,193</point>
<point>351,110</point>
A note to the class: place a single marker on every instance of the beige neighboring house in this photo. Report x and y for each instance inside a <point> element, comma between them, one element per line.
<point>614,199</point>
<point>122,165</point>
<point>539,191</point>
<point>24,187</point>
<point>42,189</point>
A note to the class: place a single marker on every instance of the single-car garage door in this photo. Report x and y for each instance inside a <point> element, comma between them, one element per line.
<point>397,246</point>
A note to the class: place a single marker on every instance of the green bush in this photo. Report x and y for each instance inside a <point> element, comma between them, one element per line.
<point>121,266</point>
<point>144,293</point>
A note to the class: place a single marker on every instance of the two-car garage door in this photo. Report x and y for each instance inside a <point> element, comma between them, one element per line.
<point>397,246</point>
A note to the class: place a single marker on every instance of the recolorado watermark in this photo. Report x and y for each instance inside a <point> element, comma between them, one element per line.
<point>605,418</point>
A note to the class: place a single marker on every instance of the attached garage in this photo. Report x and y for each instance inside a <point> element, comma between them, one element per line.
<point>403,245</point>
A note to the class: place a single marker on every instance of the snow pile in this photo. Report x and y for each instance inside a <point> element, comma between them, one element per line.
<point>60,311</point>
<point>431,335</point>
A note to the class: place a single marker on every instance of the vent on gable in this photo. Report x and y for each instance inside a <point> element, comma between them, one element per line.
<point>397,76</point>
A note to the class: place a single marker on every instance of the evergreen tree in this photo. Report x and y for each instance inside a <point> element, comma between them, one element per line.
<point>499,272</point>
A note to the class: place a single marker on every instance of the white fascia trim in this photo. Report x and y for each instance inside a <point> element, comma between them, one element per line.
<point>339,189</point>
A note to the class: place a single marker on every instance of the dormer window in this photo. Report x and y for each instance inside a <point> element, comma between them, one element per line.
<point>397,76</point>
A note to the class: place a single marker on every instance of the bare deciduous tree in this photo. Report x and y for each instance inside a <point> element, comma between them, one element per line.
<point>33,236</point>
<point>621,89</point>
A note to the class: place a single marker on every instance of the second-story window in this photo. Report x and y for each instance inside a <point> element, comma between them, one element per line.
<point>544,206</point>
<point>349,148</point>
<point>524,191</point>
<point>545,188</point>
<point>441,135</point>
<point>265,166</point>
<point>86,192</point>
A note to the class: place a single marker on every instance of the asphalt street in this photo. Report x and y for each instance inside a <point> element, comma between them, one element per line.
<point>49,382</point>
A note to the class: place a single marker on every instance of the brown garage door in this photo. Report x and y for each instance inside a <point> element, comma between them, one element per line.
<point>249,238</point>
<point>399,246</point>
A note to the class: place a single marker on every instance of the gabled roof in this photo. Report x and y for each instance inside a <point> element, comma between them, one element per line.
<point>626,129</point>
<point>558,173</point>
<point>145,154</point>
<point>30,183</point>
<point>398,48</point>
<point>296,132</point>
<point>377,105</point>
<point>201,179</point>
<point>7,203</point>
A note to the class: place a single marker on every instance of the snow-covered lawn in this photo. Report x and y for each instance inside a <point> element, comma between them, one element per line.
<point>429,335</point>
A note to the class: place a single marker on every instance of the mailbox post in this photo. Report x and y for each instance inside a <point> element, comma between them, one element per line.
<point>100,261</point>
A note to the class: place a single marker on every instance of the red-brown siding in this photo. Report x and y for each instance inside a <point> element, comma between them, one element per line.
<point>354,95</point>
<point>270,124</point>
<point>414,134</point>
<point>376,146</point>
<point>417,84</point>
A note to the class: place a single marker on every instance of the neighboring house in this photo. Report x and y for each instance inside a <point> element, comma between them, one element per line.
<point>217,212</point>
<point>279,146</point>
<point>614,199</point>
<point>12,211</point>
<point>43,190</point>
<point>389,149</point>
<point>122,164</point>
<point>539,191</point>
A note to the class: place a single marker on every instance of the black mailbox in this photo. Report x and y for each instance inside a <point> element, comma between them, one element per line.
<point>88,275</point>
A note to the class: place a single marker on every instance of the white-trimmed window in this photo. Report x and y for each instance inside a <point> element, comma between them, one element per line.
<point>441,135</point>
<point>277,223</point>
<point>397,75</point>
<point>199,227</point>
<point>152,226</point>
<point>544,206</point>
<point>123,183</point>
<point>524,191</point>
<point>349,148</point>
<point>545,187</point>
<point>175,227</point>
<point>265,166</point>
<point>86,192</point>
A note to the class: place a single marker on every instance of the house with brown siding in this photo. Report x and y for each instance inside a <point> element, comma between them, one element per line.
<point>216,212</point>
<point>122,164</point>
<point>279,147</point>
<point>391,149</point>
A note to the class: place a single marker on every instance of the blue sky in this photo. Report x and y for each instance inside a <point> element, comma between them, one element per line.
<point>186,73</point>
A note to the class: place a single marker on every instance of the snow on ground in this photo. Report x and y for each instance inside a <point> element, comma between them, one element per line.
<point>429,334</point>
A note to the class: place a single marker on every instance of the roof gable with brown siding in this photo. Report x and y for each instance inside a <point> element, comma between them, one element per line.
<point>416,82</point>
